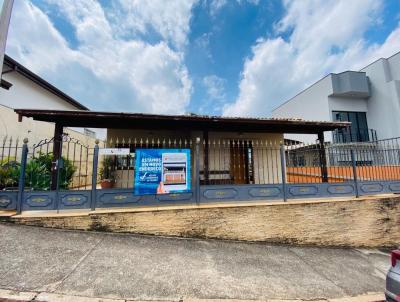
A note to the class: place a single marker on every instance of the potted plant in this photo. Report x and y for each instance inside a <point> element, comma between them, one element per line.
<point>107,172</point>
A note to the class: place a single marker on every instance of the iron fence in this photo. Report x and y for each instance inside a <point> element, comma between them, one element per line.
<point>118,171</point>
<point>240,161</point>
<point>221,169</point>
<point>373,161</point>
<point>10,159</point>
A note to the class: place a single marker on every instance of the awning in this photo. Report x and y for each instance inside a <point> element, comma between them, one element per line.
<point>123,120</point>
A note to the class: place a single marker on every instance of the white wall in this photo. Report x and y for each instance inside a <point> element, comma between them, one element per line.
<point>310,104</point>
<point>384,103</point>
<point>25,94</point>
<point>382,107</point>
<point>34,131</point>
<point>342,104</point>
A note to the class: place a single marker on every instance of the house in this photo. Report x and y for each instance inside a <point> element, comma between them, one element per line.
<point>368,98</point>
<point>232,151</point>
<point>21,88</point>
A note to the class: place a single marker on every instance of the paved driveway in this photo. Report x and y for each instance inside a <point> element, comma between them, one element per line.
<point>145,268</point>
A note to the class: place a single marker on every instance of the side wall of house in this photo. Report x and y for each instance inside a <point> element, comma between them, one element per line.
<point>25,94</point>
<point>384,103</point>
<point>37,131</point>
<point>310,104</point>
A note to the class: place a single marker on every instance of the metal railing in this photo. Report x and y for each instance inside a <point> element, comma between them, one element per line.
<point>240,161</point>
<point>263,166</point>
<point>375,161</point>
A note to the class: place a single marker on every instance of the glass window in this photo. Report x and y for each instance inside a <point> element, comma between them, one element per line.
<point>358,131</point>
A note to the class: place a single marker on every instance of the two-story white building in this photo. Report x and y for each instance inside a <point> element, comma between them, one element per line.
<point>369,99</point>
<point>21,88</point>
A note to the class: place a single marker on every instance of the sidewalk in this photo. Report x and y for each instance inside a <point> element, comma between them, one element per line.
<point>131,267</point>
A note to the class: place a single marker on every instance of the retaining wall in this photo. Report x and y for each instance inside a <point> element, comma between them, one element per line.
<point>368,221</point>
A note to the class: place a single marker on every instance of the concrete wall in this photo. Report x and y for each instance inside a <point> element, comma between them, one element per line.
<point>384,103</point>
<point>382,106</point>
<point>310,104</point>
<point>370,221</point>
<point>25,94</point>
<point>33,130</point>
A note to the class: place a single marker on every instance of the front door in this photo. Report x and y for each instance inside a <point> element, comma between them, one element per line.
<point>240,161</point>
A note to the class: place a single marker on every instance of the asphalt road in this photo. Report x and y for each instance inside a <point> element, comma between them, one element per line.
<point>150,268</point>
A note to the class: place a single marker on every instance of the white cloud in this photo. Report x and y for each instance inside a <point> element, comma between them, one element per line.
<point>323,36</point>
<point>171,19</point>
<point>35,40</point>
<point>216,5</point>
<point>104,71</point>
<point>216,95</point>
<point>215,87</point>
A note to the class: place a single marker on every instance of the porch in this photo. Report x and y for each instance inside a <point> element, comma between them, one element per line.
<point>231,160</point>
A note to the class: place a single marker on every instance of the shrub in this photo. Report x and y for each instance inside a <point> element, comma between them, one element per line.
<point>38,172</point>
<point>9,173</point>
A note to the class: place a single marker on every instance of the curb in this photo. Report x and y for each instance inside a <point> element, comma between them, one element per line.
<point>16,296</point>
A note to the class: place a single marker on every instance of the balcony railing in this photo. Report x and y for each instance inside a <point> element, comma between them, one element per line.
<point>350,135</point>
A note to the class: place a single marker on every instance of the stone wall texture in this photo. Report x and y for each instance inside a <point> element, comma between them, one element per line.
<point>364,222</point>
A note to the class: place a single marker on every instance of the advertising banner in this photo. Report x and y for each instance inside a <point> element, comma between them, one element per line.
<point>160,171</point>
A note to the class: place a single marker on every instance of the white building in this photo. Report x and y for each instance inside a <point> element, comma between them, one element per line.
<point>369,98</point>
<point>21,88</point>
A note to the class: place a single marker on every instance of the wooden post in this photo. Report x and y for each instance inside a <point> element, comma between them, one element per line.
<point>197,171</point>
<point>322,156</point>
<point>206,159</point>
<point>283,169</point>
<point>57,150</point>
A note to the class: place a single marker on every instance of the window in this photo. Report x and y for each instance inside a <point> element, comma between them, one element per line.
<point>358,131</point>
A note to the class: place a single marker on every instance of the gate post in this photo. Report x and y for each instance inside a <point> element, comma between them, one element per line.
<point>21,182</point>
<point>94,175</point>
<point>283,170</point>
<point>197,170</point>
<point>57,151</point>
<point>353,162</point>
<point>322,157</point>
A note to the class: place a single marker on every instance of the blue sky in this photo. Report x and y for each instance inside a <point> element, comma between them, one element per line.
<point>218,57</point>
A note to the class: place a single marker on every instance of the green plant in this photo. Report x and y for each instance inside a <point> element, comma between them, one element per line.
<point>37,176</point>
<point>107,170</point>
<point>9,173</point>
<point>38,172</point>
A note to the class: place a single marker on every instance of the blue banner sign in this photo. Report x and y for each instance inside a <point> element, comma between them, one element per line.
<point>160,171</point>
